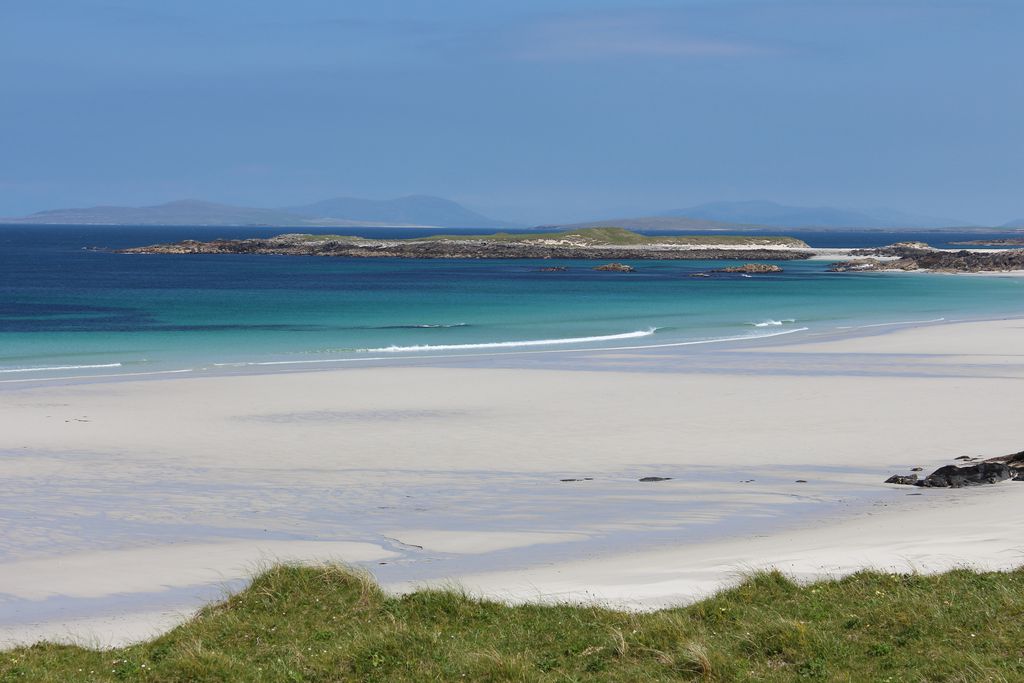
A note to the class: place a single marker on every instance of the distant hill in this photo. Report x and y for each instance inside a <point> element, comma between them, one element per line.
<point>414,209</point>
<point>779,215</point>
<point>182,212</point>
<point>343,212</point>
<point>1019,223</point>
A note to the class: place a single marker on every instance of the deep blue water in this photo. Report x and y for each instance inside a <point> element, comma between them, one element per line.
<point>63,305</point>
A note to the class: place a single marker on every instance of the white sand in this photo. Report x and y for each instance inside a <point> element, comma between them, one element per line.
<point>186,482</point>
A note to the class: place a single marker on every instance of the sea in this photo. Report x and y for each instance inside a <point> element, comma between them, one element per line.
<point>72,308</point>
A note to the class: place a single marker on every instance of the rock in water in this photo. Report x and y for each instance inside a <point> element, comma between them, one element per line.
<point>751,268</point>
<point>616,267</point>
<point>952,476</point>
<point>655,478</point>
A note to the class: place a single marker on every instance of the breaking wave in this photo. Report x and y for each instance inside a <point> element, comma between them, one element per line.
<point>60,367</point>
<point>511,344</point>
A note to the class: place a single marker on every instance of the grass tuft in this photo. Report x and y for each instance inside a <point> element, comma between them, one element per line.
<point>330,623</point>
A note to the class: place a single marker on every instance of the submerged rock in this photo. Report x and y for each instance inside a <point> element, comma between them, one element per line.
<point>654,478</point>
<point>552,269</point>
<point>616,267</point>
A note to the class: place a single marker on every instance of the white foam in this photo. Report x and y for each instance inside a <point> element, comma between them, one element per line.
<point>106,376</point>
<point>903,322</point>
<point>47,368</point>
<point>511,344</point>
<point>773,323</point>
<point>716,340</point>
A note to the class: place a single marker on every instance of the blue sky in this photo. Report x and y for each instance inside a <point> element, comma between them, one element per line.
<point>528,110</point>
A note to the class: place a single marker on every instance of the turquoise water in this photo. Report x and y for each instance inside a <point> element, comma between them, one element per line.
<point>66,310</point>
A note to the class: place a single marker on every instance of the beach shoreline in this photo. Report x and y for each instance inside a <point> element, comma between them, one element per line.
<point>458,468</point>
<point>795,335</point>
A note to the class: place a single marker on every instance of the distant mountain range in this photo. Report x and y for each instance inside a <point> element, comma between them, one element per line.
<point>417,210</point>
<point>427,211</point>
<point>717,215</point>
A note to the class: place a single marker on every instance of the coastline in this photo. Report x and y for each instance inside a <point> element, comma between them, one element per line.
<point>842,413</point>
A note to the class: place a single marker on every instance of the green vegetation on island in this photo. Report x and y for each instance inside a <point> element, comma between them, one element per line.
<point>319,624</point>
<point>591,243</point>
<point>612,235</point>
<point>585,236</point>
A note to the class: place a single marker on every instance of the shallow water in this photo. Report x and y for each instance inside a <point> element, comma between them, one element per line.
<point>68,310</point>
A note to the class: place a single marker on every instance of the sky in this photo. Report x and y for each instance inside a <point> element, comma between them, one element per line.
<point>532,110</point>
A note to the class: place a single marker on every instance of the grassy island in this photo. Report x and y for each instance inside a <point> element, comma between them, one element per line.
<point>587,243</point>
<point>330,624</point>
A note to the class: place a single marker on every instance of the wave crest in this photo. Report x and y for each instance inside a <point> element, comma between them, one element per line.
<point>60,367</point>
<point>511,344</point>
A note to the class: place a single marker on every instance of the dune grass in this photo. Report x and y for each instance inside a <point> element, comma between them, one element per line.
<point>330,624</point>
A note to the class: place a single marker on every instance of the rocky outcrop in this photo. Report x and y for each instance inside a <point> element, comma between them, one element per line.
<point>989,471</point>
<point>910,256</point>
<point>905,479</point>
<point>954,476</point>
<point>751,269</point>
<point>899,249</point>
<point>616,268</point>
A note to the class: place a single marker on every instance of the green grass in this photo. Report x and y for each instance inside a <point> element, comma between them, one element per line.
<point>330,624</point>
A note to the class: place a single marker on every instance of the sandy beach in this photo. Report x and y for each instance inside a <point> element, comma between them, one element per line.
<point>130,503</point>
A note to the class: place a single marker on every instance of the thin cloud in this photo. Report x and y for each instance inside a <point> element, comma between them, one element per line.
<point>623,35</point>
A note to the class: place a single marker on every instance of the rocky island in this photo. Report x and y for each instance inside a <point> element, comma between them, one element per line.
<point>1002,242</point>
<point>590,243</point>
<point>914,256</point>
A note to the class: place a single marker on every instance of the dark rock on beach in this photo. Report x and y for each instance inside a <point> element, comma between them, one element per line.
<point>654,478</point>
<point>906,480</point>
<point>954,476</point>
<point>1015,460</point>
<point>988,471</point>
